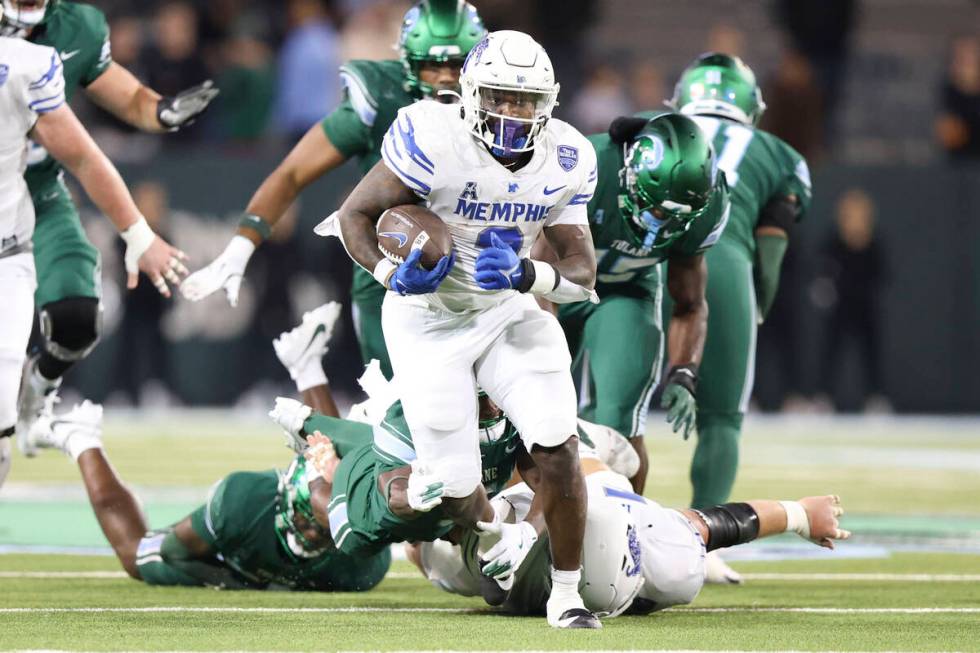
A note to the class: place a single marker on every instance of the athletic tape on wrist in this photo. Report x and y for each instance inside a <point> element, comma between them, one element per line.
<point>545,277</point>
<point>256,224</point>
<point>383,271</point>
<point>796,519</point>
<point>138,238</point>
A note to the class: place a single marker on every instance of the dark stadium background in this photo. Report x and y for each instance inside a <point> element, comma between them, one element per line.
<point>882,96</point>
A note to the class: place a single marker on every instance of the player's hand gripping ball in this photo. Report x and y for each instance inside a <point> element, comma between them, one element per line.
<point>419,242</point>
<point>498,267</point>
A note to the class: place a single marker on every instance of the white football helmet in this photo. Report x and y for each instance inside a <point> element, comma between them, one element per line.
<point>612,571</point>
<point>508,91</point>
<point>17,20</point>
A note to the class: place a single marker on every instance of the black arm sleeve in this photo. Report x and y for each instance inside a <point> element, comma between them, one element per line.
<point>780,212</point>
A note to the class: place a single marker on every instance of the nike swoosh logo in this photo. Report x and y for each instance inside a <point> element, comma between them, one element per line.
<point>399,236</point>
<point>319,329</point>
<point>552,191</point>
<point>65,56</point>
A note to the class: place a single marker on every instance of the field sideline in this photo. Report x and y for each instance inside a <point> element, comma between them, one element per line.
<point>908,581</point>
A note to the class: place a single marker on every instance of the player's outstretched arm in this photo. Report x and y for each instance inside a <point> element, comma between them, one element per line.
<point>120,93</point>
<point>310,159</point>
<point>812,518</point>
<point>687,278</point>
<point>66,140</point>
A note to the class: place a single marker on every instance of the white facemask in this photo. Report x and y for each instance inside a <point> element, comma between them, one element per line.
<point>17,21</point>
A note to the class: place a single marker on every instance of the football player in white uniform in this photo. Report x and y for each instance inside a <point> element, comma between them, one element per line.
<point>32,104</point>
<point>499,171</point>
<point>638,556</point>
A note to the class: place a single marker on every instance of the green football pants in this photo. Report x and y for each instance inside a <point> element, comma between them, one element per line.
<point>618,344</point>
<point>67,264</point>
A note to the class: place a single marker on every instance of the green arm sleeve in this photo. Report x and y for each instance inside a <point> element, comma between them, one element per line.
<point>346,435</point>
<point>346,131</point>
<point>769,254</point>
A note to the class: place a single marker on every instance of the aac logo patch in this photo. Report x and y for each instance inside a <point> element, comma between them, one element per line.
<point>567,157</point>
<point>4,73</point>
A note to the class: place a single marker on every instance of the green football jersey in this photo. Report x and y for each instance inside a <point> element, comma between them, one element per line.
<point>621,264</point>
<point>374,92</point>
<point>758,167</point>
<point>80,34</point>
<point>239,522</point>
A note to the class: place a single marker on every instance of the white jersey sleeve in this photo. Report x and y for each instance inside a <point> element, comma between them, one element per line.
<point>45,89</point>
<point>411,147</point>
<point>571,208</point>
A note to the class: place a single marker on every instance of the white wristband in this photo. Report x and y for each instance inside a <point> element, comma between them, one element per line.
<point>545,277</point>
<point>796,519</point>
<point>138,238</point>
<point>383,270</point>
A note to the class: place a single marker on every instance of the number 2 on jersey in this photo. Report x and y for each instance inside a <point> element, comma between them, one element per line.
<point>736,139</point>
<point>508,235</point>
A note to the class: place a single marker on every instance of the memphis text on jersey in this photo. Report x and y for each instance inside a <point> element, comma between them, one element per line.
<point>468,206</point>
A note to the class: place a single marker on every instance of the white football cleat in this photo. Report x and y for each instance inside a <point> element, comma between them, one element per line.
<point>74,432</point>
<point>37,397</point>
<point>717,571</point>
<point>307,342</point>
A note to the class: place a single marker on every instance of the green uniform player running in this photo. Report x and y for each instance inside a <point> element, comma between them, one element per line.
<point>436,36</point>
<point>770,191</point>
<point>658,198</point>
<point>68,265</point>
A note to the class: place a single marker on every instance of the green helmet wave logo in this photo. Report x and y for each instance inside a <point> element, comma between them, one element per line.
<point>437,31</point>
<point>669,174</point>
<point>717,84</point>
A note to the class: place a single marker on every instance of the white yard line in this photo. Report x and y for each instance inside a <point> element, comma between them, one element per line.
<point>374,609</point>
<point>411,575</point>
<point>494,651</point>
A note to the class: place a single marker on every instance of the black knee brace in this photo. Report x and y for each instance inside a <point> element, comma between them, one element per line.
<point>71,327</point>
<point>730,524</point>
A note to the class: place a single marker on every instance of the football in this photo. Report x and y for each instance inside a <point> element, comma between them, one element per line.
<point>402,229</point>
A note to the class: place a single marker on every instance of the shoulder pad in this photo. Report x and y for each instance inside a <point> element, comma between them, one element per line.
<point>366,81</point>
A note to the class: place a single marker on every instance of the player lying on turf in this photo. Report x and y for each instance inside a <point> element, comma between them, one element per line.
<point>256,530</point>
<point>637,556</point>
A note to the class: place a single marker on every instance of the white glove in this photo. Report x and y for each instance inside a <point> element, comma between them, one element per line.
<point>424,490</point>
<point>226,272</point>
<point>291,415</point>
<point>506,556</point>
<point>301,350</point>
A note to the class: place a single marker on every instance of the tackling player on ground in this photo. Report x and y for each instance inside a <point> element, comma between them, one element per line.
<point>499,171</point>
<point>32,103</point>
<point>435,38</point>
<point>659,197</point>
<point>770,191</point>
<point>68,266</point>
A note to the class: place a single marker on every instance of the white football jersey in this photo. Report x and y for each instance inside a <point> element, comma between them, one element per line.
<point>31,83</point>
<point>430,149</point>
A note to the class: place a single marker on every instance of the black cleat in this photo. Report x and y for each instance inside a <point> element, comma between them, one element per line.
<point>577,618</point>
<point>492,592</point>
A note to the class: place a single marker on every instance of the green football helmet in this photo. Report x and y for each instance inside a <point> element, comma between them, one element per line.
<point>294,501</point>
<point>669,174</point>
<point>437,31</point>
<point>717,84</point>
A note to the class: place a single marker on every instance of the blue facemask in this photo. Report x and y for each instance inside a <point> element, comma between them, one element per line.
<point>653,226</point>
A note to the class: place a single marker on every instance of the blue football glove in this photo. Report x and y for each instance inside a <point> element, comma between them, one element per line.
<point>498,267</point>
<point>410,278</point>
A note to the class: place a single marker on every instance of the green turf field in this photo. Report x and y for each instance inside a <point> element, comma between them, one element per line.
<point>908,581</point>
